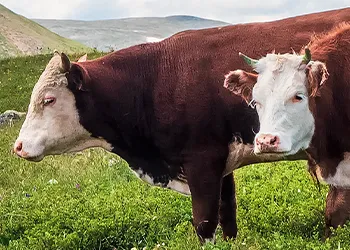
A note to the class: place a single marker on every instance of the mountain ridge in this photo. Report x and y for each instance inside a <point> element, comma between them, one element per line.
<point>114,34</point>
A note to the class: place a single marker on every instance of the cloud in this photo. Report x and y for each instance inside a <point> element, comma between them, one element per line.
<point>233,11</point>
<point>61,9</point>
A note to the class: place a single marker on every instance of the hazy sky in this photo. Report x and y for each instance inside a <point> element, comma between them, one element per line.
<point>233,11</point>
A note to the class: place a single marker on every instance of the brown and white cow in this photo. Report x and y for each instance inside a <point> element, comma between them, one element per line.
<point>304,104</point>
<point>161,107</point>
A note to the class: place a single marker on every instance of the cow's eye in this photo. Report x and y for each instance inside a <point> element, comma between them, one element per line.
<point>49,101</point>
<point>298,98</point>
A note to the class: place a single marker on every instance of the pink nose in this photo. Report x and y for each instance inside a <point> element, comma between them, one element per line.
<point>267,143</point>
<point>18,148</point>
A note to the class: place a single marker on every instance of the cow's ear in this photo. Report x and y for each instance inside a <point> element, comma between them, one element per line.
<point>82,58</point>
<point>317,75</point>
<point>78,78</point>
<point>65,63</point>
<point>241,83</point>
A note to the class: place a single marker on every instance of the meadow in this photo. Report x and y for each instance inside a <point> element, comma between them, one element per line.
<point>91,200</point>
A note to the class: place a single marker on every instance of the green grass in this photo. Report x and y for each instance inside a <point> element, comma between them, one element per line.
<point>7,49</point>
<point>97,203</point>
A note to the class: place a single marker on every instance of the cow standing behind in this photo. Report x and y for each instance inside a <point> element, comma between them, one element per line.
<point>303,104</point>
<point>161,107</point>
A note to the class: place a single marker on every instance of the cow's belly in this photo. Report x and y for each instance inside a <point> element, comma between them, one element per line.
<point>178,183</point>
<point>157,173</point>
<point>341,178</point>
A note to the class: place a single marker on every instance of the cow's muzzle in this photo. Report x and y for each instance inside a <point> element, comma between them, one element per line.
<point>266,143</point>
<point>18,150</point>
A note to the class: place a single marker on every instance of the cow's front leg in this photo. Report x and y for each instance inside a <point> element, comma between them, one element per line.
<point>227,210</point>
<point>204,179</point>
<point>337,210</point>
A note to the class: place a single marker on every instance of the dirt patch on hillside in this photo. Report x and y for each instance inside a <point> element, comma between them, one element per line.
<point>27,45</point>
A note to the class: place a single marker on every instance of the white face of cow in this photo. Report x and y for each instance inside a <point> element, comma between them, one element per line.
<point>52,122</point>
<point>282,102</point>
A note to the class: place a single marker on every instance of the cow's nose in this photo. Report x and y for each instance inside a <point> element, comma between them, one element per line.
<point>18,148</point>
<point>267,142</point>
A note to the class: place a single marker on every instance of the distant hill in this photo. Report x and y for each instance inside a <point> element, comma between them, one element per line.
<point>115,34</point>
<point>21,36</point>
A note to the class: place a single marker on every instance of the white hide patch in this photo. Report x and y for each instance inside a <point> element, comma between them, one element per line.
<point>243,154</point>
<point>92,142</point>
<point>210,240</point>
<point>175,185</point>
<point>146,178</point>
<point>237,152</point>
<point>179,186</point>
<point>341,178</point>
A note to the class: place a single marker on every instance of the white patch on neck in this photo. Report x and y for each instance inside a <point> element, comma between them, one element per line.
<point>179,186</point>
<point>243,154</point>
<point>237,152</point>
<point>91,143</point>
<point>341,178</point>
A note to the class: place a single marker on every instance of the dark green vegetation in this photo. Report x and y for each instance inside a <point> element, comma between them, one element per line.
<point>97,203</point>
<point>21,36</point>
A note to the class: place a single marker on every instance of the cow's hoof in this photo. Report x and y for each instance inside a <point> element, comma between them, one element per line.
<point>327,234</point>
<point>229,235</point>
<point>206,231</point>
<point>229,230</point>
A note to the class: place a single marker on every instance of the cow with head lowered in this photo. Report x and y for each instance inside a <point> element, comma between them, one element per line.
<point>303,104</point>
<point>161,107</point>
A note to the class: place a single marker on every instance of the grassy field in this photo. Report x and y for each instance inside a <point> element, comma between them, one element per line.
<point>91,200</point>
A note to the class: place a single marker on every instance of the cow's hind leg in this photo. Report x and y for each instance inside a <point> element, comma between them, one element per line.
<point>337,210</point>
<point>227,210</point>
<point>204,177</point>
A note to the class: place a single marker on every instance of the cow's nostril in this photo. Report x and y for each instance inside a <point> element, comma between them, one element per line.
<point>257,141</point>
<point>273,140</point>
<point>18,147</point>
